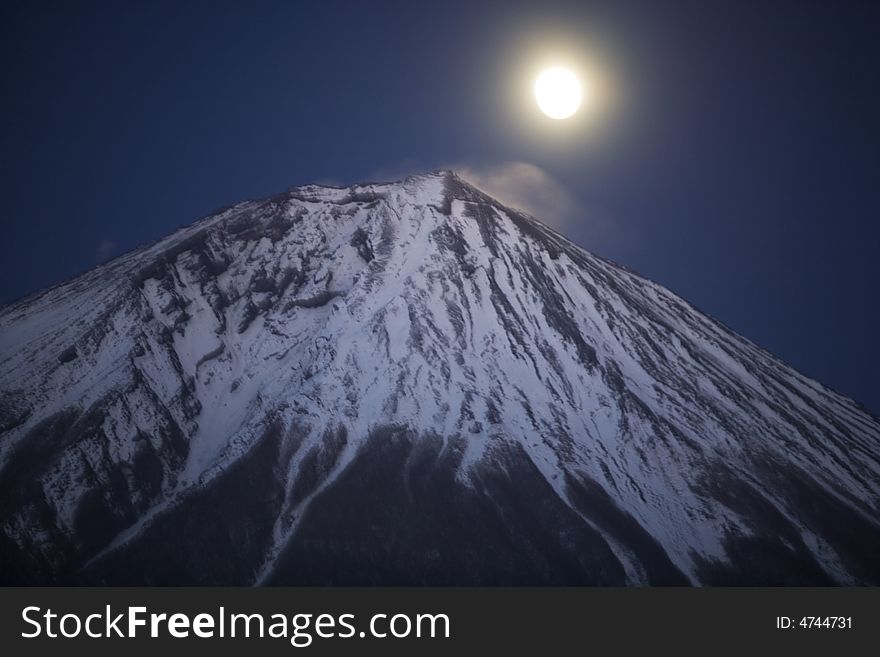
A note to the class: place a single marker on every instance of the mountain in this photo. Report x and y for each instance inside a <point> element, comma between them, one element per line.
<point>410,383</point>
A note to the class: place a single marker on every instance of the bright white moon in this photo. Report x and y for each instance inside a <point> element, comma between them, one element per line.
<point>558,93</point>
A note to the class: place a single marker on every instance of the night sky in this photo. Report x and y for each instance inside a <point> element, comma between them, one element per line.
<point>736,159</point>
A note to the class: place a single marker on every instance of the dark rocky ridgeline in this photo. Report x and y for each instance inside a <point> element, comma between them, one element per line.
<point>398,516</point>
<point>410,383</point>
<point>217,534</point>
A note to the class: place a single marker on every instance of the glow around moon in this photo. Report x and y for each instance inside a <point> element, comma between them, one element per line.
<point>558,92</point>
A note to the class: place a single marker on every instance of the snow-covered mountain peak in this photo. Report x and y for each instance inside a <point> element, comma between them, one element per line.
<point>425,187</point>
<point>413,370</point>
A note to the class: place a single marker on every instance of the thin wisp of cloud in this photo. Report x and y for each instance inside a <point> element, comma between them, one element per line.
<point>526,187</point>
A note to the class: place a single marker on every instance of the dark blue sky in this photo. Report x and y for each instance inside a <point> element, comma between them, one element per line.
<point>739,164</point>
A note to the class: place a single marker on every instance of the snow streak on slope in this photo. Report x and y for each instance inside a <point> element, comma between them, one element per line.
<point>411,383</point>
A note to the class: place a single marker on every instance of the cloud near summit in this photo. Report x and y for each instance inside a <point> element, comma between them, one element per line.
<point>527,187</point>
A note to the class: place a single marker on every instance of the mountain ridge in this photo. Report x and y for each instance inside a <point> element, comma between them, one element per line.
<point>264,358</point>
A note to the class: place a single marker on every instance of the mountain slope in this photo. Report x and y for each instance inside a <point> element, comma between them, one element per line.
<point>410,383</point>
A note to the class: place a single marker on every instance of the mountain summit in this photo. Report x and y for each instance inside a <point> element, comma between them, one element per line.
<point>410,383</point>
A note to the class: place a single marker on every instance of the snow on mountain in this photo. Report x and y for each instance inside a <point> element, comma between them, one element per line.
<point>410,383</point>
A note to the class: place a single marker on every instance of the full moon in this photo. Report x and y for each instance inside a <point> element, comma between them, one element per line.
<point>558,93</point>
